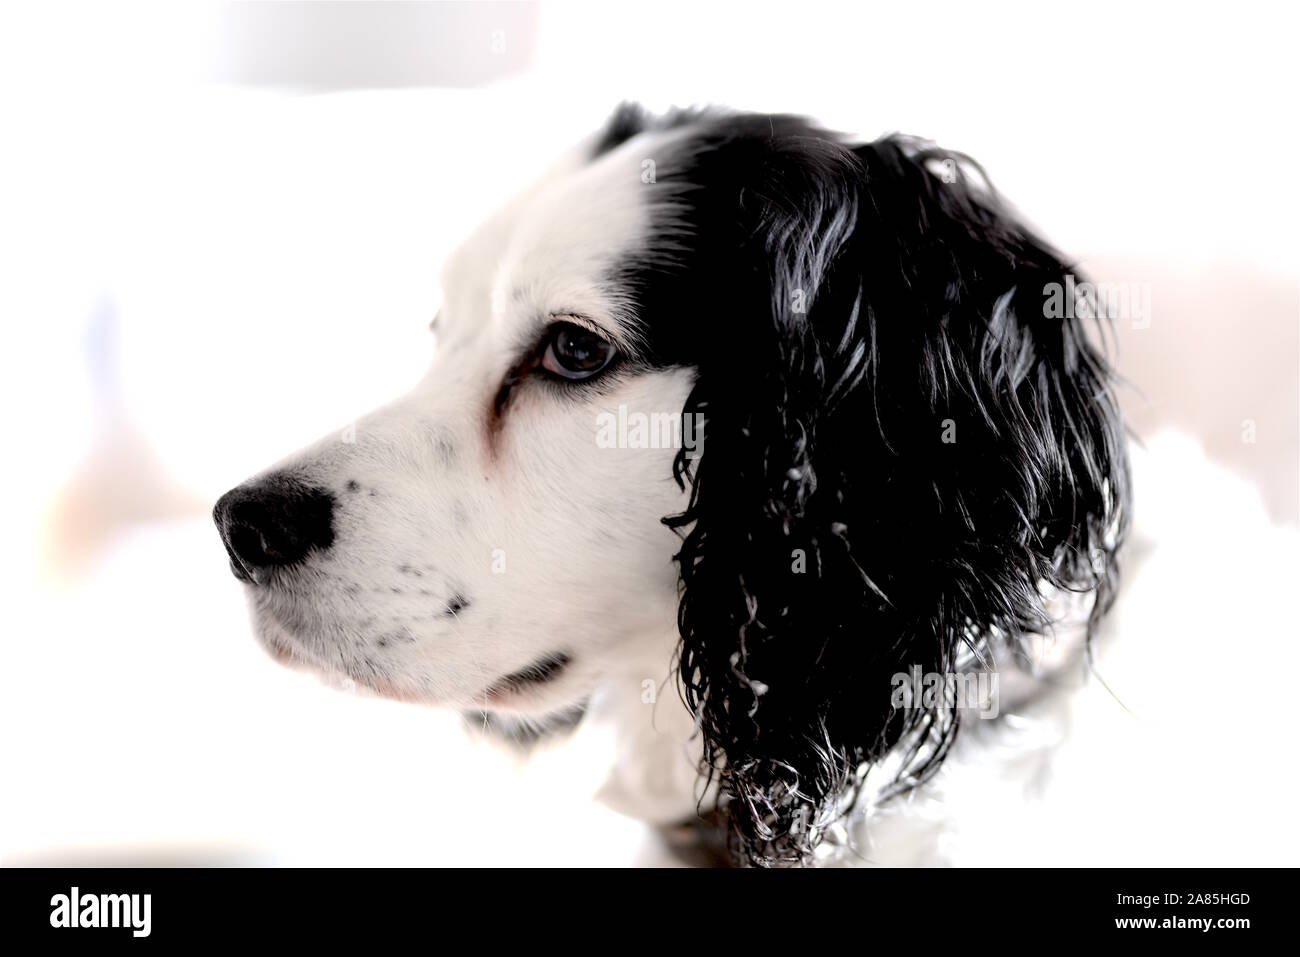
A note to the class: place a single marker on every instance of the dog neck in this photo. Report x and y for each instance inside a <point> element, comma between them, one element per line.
<point>656,750</point>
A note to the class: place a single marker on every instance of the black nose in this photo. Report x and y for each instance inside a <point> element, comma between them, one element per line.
<point>271,523</point>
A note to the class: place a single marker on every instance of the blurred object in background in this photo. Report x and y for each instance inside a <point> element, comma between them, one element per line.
<point>318,46</point>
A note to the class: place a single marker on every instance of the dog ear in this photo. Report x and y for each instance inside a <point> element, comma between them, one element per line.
<point>905,451</point>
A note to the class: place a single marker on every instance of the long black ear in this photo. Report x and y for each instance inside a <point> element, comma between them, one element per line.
<point>906,445</point>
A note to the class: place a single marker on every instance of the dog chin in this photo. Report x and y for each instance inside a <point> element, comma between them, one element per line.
<point>287,651</point>
<point>275,642</point>
<point>292,653</point>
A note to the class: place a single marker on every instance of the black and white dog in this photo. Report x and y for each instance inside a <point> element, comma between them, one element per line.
<point>907,458</point>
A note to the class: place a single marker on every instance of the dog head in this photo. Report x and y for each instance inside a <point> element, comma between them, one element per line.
<point>887,447</point>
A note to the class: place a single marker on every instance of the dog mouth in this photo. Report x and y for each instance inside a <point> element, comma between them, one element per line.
<point>542,671</point>
<point>294,638</point>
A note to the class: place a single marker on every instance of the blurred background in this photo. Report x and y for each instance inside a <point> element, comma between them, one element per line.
<point>220,229</point>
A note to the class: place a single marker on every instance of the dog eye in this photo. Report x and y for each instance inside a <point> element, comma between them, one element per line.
<point>575,353</point>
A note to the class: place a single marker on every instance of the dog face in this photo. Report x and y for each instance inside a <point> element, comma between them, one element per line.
<point>472,544</point>
<point>907,450</point>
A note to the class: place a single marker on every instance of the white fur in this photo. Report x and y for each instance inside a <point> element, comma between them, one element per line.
<point>555,542</point>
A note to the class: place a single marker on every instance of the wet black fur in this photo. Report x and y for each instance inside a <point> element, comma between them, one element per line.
<point>846,307</point>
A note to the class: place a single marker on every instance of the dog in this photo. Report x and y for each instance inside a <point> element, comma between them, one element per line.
<point>890,455</point>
